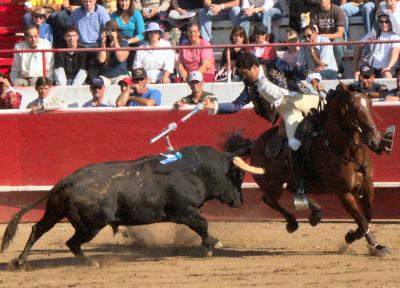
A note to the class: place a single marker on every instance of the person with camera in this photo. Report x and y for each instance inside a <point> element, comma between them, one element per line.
<point>114,63</point>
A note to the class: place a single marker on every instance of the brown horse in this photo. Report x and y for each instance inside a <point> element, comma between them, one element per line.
<point>338,163</point>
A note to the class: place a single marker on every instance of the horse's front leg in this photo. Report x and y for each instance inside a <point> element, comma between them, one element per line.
<point>350,204</point>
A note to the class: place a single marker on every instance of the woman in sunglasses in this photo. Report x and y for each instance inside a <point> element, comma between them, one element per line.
<point>317,58</point>
<point>382,57</point>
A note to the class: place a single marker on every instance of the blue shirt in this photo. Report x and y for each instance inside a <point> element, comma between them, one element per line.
<point>89,25</point>
<point>150,94</point>
<point>114,68</point>
<point>46,32</point>
<point>134,27</point>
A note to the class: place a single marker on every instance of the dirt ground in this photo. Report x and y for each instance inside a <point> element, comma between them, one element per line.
<point>167,255</point>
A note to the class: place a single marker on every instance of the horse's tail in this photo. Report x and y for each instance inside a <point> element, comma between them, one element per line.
<point>12,226</point>
<point>236,145</point>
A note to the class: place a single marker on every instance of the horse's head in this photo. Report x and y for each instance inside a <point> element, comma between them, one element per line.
<point>352,111</point>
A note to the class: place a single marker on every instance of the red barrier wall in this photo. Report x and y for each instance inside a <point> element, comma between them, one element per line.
<point>41,149</point>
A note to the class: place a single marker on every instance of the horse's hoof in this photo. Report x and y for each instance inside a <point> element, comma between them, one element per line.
<point>379,250</point>
<point>292,226</point>
<point>218,245</point>
<point>314,219</point>
<point>208,253</point>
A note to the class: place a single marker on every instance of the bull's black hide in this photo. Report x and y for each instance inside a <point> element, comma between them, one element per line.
<point>136,192</point>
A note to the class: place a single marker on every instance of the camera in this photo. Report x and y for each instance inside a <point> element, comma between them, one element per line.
<point>109,33</point>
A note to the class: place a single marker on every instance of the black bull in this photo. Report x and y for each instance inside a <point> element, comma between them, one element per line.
<point>136,192</point>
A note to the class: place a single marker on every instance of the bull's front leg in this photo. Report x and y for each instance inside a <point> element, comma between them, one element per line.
<point>191,217</point>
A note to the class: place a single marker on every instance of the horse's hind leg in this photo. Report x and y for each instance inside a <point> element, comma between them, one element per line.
<point>49,219</point>
<point>271,199</point>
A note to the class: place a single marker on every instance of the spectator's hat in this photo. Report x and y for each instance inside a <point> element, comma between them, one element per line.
<point>175,15</point>
<point>367,70</point>
<point>195,76</point>
<point>153,26</point>
<point>40,11</point>
<point>28,4</point>
<point>125,81</point>
<point>139,73</point>
<point>260,29</point>
<point>97,82</point>
<point>111,25</point>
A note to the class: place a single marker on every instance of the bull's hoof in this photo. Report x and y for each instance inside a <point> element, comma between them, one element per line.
<point>209,253</point>
<point>15,264</point>
<point>379,250</point>
<point>292,226</point>
<point>315,218</point>
<point>218,245</point>
<point>90,262</point>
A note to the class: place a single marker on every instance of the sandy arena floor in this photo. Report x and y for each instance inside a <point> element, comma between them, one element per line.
<point>167,255</point>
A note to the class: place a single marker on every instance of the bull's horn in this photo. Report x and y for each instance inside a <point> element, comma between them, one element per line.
<point>246,167</point>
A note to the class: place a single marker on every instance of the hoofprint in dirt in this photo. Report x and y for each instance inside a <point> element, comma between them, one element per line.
<point>169,255</point>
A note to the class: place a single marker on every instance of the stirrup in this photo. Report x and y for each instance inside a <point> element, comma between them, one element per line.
<point>301,201</point>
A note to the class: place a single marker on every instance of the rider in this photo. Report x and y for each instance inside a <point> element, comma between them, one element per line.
<point>268,99</point>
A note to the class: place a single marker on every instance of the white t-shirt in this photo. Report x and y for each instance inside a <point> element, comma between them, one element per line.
<point>382,51</point>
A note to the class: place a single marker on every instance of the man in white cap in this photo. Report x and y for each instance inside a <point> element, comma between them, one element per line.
<point>198,95</point>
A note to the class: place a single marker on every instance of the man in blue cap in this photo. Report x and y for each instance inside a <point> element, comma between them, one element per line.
<point>366,83</point>
<point>98,90</point>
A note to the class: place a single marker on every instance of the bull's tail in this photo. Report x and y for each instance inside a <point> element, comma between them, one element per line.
<point>236,145</point>
<point>13,225</point>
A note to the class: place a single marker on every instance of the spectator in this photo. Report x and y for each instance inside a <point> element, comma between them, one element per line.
<point>317,58</point>
<point>196,59</point>
<point>290,56</point>
<point>394,94</point>
<point>154,10</point>
<point>39,16</point>
<point>237,37</point>
<point>392,8</point>
<point>158,64</point>
<point>9,98</point>
<point>330,21</point>
<point>367,85</point>
<point>50,6</point>
<point>89,19</point>
<point>264,11</point>
<point>217,10</point>
<point>260,36</point>
<point>110,5</point>
<point>59,20</point>
<point>183,9</point>
<point>42,87</point>
<point>136,93</point>
<point>297,10</point>
<point>130,21</point>
<point>98,90</point>
<point>27,67</point>
<point>198,95</point>
<point>114,62</point>
<point>365,8</point>
<point>382,57</point>
<point>70,67</point>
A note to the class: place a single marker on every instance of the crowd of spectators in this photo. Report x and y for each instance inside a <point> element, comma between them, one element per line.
<point>150,23</point>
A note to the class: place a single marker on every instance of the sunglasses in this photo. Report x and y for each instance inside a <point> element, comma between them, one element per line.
<point>307,36</point>
<point>38,16</point>
<point>366,77</point>
<point>138,79</point>
<point>96,87</point>
<point>384,22</point>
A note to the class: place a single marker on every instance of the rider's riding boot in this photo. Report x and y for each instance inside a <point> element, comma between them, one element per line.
<point>297,161</point>
<point>387,138</point>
